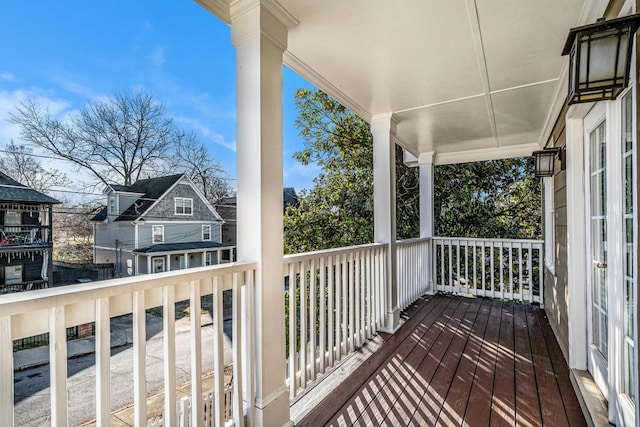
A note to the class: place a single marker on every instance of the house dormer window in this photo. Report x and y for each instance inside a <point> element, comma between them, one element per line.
<point>184,206</point>
<point>113,205</point>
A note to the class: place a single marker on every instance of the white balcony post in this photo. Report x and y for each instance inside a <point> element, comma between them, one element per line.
<point>259,33</point>
<point>383,128</point>
<point>425,162</point>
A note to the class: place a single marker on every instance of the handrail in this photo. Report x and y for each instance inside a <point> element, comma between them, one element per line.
<point>36,302</point>
<point>413,240</point>
<point>480,239</point>
<point>304,256</point>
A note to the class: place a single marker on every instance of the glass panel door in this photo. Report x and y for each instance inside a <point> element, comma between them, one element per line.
<point>596,249</point>
<point>628,252</point>
<point>598,217</point>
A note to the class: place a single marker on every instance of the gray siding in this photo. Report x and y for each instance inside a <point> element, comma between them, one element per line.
<point>103,256</point>
<point>106,234</point>
<point>165,208</point>
<point>121,261</point>
<point>555,285</point>
<point>177,232</point>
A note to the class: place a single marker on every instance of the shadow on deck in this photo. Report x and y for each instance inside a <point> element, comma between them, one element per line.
<point>459,361</point>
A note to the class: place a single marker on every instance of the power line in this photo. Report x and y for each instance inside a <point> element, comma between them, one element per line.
<point>93,162</point>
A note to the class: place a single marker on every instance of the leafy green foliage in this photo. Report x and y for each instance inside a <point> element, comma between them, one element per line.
<point>338,210</point>
<point>499,198</point>
<point>491,199</point>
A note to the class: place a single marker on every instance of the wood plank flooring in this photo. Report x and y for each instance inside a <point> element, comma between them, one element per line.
<point>459,362</point>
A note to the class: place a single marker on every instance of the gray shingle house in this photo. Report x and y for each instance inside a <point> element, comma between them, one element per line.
<point>158,224</point>
<point>25,237</point>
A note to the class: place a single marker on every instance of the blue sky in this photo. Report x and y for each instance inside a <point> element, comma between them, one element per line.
<point>64,54</point>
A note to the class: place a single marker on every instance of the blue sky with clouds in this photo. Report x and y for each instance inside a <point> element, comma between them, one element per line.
<point>64,54</point>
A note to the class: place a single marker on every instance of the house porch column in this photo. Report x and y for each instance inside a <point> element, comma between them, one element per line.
<point>425,163</point>
<point>167,267</point>
<point>383,128</point>
<point>259,33</point>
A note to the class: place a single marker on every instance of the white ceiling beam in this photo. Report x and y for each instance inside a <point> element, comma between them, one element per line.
<point>476,35</point>
<point>496,153</point>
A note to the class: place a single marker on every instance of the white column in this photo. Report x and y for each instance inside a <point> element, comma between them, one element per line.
<point>259,33</point>
<point>149,271</point>
<point>204,259</point>
<point>425,163</point>
<point>168,262</point>
<point>186,260</point>
<point>383,128</point>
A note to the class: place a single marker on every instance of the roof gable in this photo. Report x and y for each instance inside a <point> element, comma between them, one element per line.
<point>152,190</point>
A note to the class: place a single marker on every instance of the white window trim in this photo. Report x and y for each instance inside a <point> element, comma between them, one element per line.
<point>549,225</point>
<point>153,228</point>
<point>182,199</point>
<point>153,263</point>
<point>205,227</point>
<point>115,205</point>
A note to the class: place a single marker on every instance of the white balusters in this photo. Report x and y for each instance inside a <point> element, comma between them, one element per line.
<point>333,308</point>
<point>498,268</point>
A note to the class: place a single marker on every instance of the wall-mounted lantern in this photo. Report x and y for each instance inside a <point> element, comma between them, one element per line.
<point>544,161</point>
<point>600,57</point>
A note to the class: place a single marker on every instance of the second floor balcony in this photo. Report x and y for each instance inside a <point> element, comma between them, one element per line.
<point>336,307</point>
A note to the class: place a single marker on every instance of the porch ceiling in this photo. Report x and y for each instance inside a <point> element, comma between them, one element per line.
<point>467,79</point>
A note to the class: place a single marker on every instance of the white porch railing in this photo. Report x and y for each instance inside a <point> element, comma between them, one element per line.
<point>496,268</point>
<point>413,270</point>
<point>335,301</point>
<point>184,408</point>
<point>53,310</point>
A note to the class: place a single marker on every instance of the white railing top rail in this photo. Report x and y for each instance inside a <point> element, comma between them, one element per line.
<point>413,240</point>
<point>34,304</point>
<point>329,252</point>
<point>23,302</point>
<point>478,239</point>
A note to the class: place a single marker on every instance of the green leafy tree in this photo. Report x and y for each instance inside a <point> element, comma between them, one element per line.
<point>490,199</point>
<point>338,210</point>
<point>499,198</point>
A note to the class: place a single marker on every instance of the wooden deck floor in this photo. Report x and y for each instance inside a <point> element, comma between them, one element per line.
<point>459,361</point>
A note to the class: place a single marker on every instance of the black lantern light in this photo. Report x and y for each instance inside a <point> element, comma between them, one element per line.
<point>544,161</point>
<point>600,57</point>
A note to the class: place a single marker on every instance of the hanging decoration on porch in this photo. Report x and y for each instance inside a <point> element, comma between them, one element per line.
<point>600,58</point>
<point>18,254</point>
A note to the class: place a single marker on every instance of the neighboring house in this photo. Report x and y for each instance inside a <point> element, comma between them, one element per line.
<point>158,224</point>
<point>25,237</point>
<point>227,209</point>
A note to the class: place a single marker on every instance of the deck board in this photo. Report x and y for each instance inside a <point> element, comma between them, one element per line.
<point>459,361</point>
<point>503,402</point>
<point>452,412</point>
